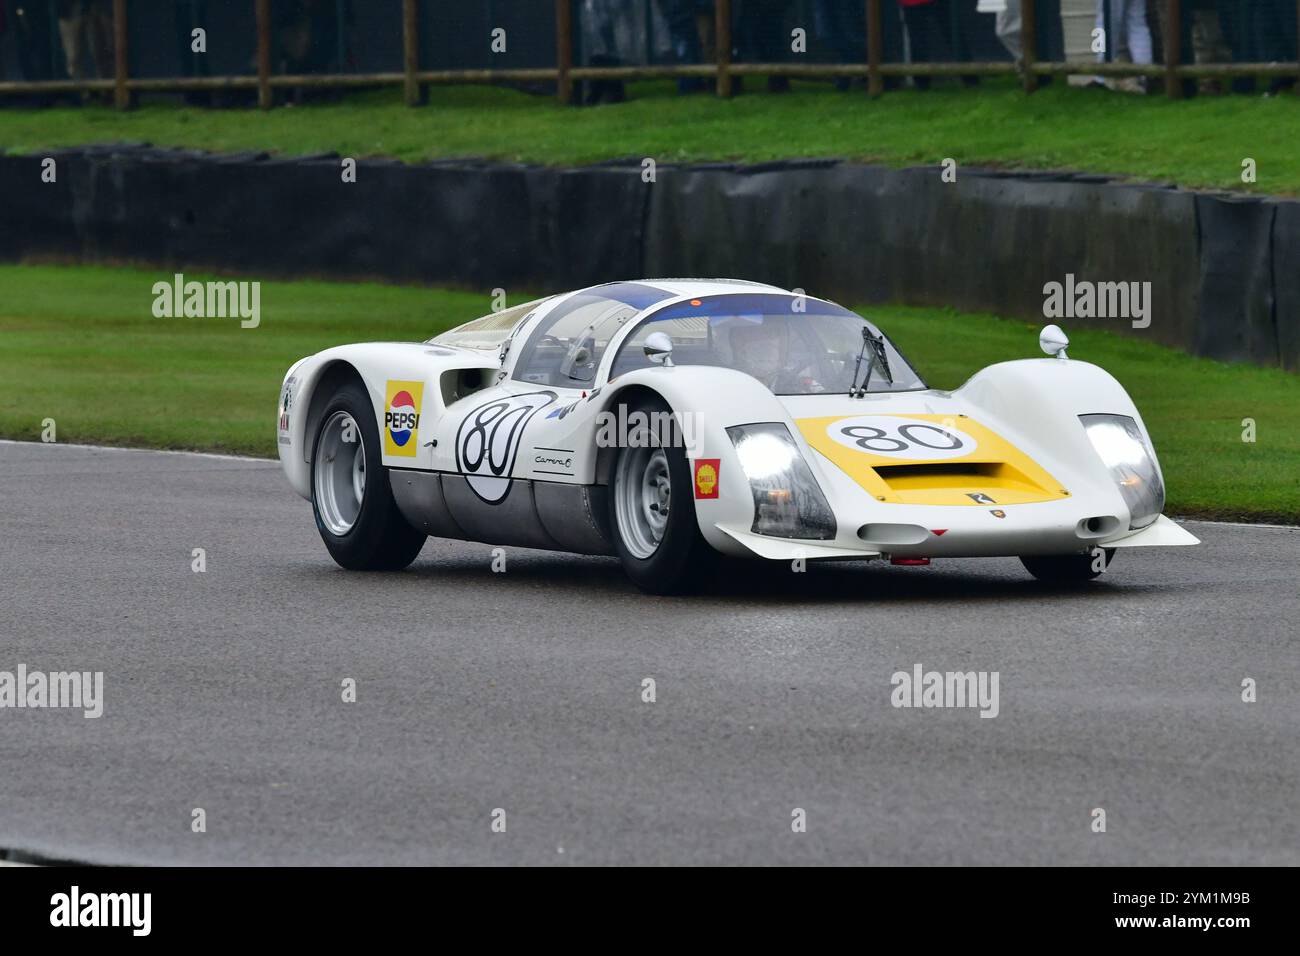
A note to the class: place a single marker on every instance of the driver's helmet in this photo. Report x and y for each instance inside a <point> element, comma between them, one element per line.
<point>758,346</point>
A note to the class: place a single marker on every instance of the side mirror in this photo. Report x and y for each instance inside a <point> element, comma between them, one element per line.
<point>1053,341</point>
<point>659,349</point>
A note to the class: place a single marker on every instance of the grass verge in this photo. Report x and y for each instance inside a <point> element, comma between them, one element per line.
<point>81,346</point>
<point>1200,142</point>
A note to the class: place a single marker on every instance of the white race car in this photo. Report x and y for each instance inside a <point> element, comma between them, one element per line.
<point>667,421</point>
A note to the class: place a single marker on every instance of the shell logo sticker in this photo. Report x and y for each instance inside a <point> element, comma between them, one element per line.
<point>706,477</point>
<point>402,417</point>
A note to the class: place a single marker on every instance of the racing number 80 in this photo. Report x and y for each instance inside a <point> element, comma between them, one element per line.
<point>871,438</point>
<point>480,441</point>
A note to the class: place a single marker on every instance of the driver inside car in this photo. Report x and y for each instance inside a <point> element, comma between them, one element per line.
<point>764,351</point>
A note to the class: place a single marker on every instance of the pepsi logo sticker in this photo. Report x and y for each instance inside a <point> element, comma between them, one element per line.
<point>402,418</point>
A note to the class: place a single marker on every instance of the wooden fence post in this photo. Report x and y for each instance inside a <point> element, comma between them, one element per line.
<point>411,52</point>
<point>564,50</point>
<point>722,34</point>
<point>121,95</point>
<point>876,47</point>
<point>263,11</point>
<point>1173,48</point>
<point>1029,42</point>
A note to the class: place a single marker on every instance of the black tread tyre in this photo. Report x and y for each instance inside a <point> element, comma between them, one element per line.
<point>681,561</point>
<point>1066,568</point>
<point>379,538</point>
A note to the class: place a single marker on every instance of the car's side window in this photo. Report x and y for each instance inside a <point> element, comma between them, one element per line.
<point>692,344</point>
<point>566,347</point>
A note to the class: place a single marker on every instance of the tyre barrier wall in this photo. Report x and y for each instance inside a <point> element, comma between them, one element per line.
<point>1224,269</point>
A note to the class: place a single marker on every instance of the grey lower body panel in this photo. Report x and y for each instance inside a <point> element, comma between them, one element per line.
<point>420,499</point>
<point>533,514</point>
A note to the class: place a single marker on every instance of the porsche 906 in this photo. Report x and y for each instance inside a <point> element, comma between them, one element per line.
<point>670,421</point>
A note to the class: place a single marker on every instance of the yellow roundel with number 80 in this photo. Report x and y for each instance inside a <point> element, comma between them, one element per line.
<point>901,439</point>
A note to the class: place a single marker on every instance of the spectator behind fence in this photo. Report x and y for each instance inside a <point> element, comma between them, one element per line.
<point>1202,39</point>
<point>1235,20</point>
<point>842,26</point>
<point>307,40</point>
<point>86,29</point>
<point>608,36</point>
<point>1048,32</point>
<point>1213,31</point>
<point>307,35</point>
<point>1207,40</point>
<point>929,32</point>
<point>1006,25</point>
<point>760,37</point>
<point>1275,38</point>
<point>30,29</point>
<point>1127,36</point>
<point>690,33</point>
<point>977,42</point>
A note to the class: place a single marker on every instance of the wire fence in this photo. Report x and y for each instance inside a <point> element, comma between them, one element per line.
<point>250,50</point>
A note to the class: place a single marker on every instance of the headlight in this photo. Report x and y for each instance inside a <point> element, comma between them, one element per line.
<point>787,501</point>
<point>1118,442</point>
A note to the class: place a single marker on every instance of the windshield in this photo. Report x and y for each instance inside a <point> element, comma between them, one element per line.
<point>489,331</point>
<point>792,344</point>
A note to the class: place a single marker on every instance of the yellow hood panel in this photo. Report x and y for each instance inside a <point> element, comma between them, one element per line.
<point>930,460</point>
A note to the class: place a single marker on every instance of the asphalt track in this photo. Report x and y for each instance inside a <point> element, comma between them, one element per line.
<point>522,691</point>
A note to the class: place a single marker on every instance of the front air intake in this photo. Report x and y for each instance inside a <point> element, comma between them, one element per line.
<point>895,535</point>
<point>965,482</point>
<point>1099,526</point>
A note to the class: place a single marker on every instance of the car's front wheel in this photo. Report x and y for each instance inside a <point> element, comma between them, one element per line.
<point>652,512</point>
<point>1068,568</point>
<point>355,512</point>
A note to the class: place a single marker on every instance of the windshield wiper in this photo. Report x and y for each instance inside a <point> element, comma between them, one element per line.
<point>882,357</point>
<point>878,358</point>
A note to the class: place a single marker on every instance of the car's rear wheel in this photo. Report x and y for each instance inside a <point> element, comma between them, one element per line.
<point>652,511</point>
<point>350,495</point>
<point>1068,568</point>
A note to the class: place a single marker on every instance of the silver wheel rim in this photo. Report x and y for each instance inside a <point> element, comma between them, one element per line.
<point>339,473</point>
<point>642,496</point>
